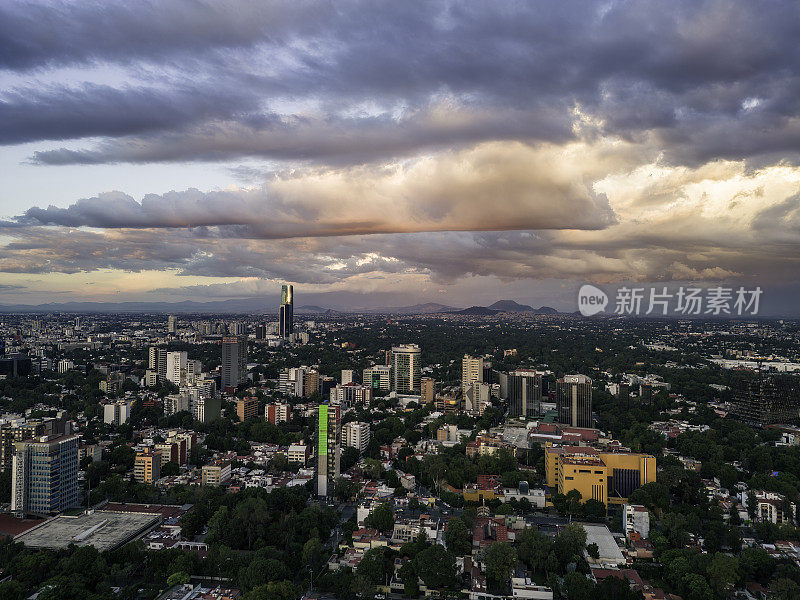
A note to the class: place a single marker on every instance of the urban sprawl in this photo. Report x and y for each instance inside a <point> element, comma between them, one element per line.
<point>479,454</point>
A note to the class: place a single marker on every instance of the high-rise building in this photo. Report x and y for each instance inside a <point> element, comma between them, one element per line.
<point>157,361</point>
<point>280,412</point>
<point>45,475</point>
<point>261,331</point>
<point>406,368</point>
<point>471,370</point>
<point>147,466</point>
<point>216,473</point>
<point>206,409</point>
<point>234,361</point>
<point>286,320</point>
<point>117,413</point>
<point>766,399</point>
<point>350,394</point>
<point>175,403</point>
<point>347,376</point>
<point>524,393</point>
<point>176,367</point>
<point>356,435</point>
<point>329,431</point>
<point>246,408</point>
<point>476,397</point>
<point>378,378</point>
<point>574,400</point>
<point>427,390</point>
<point>172,324</point>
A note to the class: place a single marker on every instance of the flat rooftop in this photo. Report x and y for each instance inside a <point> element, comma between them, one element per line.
<point>600,535</point>
<point>101,529</point>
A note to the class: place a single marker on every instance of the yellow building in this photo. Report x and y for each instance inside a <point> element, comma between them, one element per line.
<point>147,467</point>
<point>609,477</point>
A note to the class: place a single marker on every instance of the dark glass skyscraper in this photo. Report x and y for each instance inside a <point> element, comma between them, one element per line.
<point>234,361</point>
<point>524,393</point>
<point>286,312</point>
<point>574,400</point>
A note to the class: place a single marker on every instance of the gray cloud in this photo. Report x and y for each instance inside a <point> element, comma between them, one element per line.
<point>338,83</point>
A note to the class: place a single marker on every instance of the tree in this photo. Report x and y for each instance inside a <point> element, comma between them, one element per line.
<point>410,579</point>
<point>377,565</point>
<point>436,567</point>
<point>578,587</point>
<point>274,590</point>
<point>696,588</point>
<point>170,469</point>
<point>349,458</point>
<point>723,572</point>
<point>534,548</point>
<point>784,589</point>
<point>594,510</point>
<point>382,518</point>
<point>593,550</point>
<point>311,551</point>
<point>458,537</point>
<point>177,579</point>
<point>501,560</point>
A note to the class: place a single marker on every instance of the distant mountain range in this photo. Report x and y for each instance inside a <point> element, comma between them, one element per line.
<point>257,306</point>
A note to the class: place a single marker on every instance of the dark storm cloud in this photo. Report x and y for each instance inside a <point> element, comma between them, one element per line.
<point>40,34</point>
<point>60,112</point>
<point>680,72</point>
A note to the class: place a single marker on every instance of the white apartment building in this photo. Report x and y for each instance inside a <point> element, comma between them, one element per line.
<point>356,435</point>
<point>176,367</point>
<point>117,413</point>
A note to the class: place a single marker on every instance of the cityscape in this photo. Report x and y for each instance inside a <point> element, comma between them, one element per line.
<point>484,456</point>
<point>368,300</point>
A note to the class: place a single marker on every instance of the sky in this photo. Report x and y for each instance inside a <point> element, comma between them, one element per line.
<point>387,153</point>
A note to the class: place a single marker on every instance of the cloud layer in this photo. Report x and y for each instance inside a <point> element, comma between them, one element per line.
<point>642,141</point>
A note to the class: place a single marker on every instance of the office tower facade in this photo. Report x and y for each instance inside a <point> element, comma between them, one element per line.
<point>286,317</point>
<point>329,443</point>
<point>147,466</point>
<point>45,475</point>
<point>427,390</point>
<point>172,324</point>
<point>378,378</point>
<point>356,435</point>
<point>524,393</point>
<point>246,408</point>
<point>347,376</point>
<point>471,370</point>
<point>234,361</point>
<point>406,368</point>
<point>261,331</point>
<point>176,367</point>
<point>766,399</point>
<point>574,400</point>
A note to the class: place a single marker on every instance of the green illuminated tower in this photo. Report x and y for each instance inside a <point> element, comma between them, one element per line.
<point>328,445</point>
